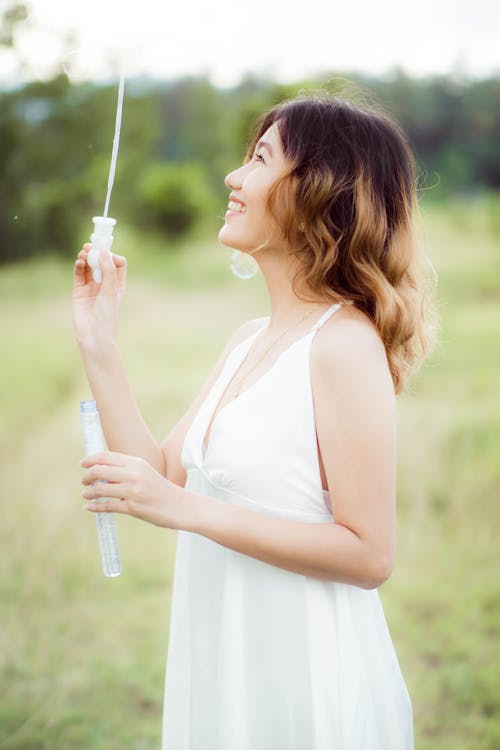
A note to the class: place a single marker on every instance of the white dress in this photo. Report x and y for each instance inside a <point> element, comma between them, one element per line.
<point>261,658</point>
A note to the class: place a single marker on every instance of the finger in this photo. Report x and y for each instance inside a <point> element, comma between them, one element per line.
<point>104,490</point>
<point>121,276</point>
<point>79,264</point>
<point>99,472</point>
<point>108,458</point>
<point>108,269</point>
<point>83,273</point>
<point>79,272</point>
<point>120,261</point>
<point>108,506</point>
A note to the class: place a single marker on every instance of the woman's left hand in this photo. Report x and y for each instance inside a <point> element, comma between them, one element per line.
<point>134,488</point>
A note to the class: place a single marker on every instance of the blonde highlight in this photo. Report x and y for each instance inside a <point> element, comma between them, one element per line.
<point>351,181</point>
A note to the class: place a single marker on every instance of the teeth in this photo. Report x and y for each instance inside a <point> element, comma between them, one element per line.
<point>234,206</point>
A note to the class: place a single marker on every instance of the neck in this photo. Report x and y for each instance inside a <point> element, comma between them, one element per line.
<point>286,308</point>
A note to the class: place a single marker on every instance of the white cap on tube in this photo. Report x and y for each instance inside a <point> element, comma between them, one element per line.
<point>101,239</point>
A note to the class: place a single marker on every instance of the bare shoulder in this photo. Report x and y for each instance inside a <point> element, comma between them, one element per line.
<point>349,350</point>
<point>244,331</point>
<point>356,427</point>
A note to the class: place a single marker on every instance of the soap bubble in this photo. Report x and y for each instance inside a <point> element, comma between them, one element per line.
<point>16,217</point>
<point>122,60</point>
<point>15,17</point>
<point>73,64</point>
<point>243,265</point>
<point>19,26</point>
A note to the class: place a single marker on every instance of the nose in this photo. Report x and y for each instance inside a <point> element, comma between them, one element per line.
<point>234,179</point>
<point>229,180</point>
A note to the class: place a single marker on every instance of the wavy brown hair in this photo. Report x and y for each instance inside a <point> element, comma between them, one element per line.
<point>352,181</point>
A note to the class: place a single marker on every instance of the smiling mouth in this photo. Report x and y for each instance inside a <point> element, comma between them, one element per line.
<point>233,207</point>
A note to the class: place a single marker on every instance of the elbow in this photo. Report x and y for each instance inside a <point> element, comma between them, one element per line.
<point>379,571</point>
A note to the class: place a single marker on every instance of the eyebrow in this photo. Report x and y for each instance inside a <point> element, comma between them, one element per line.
<point>264,144</point>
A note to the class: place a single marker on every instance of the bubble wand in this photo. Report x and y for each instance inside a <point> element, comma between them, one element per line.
<point>102,239</point>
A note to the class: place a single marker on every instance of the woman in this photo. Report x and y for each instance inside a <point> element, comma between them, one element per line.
<point>280,478</point>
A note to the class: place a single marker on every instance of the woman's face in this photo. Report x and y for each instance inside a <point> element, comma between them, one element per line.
<point>247,223</point>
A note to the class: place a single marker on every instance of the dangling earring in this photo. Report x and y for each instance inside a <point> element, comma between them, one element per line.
<point>243,265</point>
<point>302,227</point>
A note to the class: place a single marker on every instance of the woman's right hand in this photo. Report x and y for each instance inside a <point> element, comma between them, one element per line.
<point>96,306</point>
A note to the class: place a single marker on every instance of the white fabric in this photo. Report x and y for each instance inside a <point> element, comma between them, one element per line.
<point>261,658</point>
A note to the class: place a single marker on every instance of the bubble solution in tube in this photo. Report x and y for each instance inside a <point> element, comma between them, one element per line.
<point>106,528</point>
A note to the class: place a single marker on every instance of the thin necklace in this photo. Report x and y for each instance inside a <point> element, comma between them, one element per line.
<point>294,325</point>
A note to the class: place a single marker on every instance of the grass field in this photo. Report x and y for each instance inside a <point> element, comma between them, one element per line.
<point>82,656</point>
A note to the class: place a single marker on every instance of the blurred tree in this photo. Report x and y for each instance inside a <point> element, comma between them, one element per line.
<point>481,131</point>
<point>56,137</point>
<point>194,128</point>
<point>13,15</point>
<point>55,148</point>
<point>453,126</point>
<point>174,197</point>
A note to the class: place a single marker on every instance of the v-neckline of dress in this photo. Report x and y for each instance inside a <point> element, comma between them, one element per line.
<point>213,415</point>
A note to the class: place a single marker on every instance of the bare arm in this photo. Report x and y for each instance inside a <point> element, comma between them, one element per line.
<point>95,312</point>
<point>122,423</point>
<point>355,417</point>
<point>95,318</point>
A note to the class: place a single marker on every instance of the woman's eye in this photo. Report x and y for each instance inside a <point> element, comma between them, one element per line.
<point>259,157</point>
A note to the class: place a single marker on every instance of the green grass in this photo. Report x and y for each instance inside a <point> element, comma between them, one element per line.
<point>82,657</point>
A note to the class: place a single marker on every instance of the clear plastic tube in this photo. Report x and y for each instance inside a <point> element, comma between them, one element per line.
<point>106,528</point>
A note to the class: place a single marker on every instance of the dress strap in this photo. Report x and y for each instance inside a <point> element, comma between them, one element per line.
<point>325,316</point>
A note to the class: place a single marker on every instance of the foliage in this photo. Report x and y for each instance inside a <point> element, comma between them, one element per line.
<point>55,145</point>
<point>12,15</point>
<point>173,197</point>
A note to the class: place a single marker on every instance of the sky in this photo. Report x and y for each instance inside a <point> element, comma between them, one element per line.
<point>283,40</point>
